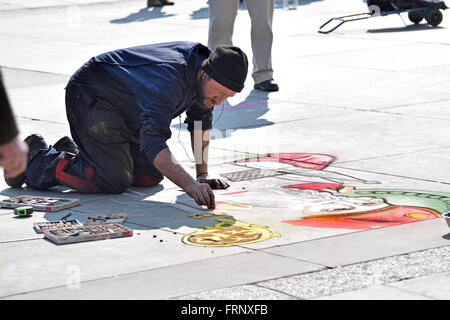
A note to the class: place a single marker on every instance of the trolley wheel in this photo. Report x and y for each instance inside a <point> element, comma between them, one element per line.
<point>433,17</point>
<point>416,16</point>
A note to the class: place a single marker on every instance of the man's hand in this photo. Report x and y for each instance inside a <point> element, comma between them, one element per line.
<point>13,157</point>
<point>202,194</point>
<point>213,183</point>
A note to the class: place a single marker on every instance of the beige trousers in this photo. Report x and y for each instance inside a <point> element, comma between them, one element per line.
<point>222,15</point>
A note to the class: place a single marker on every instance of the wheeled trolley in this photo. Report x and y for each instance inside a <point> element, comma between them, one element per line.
<point>417,10</point>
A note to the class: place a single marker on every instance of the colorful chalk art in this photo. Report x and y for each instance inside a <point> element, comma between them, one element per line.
<point>305,193</point>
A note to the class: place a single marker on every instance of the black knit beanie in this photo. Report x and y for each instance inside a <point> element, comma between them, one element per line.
<point>228,66</point>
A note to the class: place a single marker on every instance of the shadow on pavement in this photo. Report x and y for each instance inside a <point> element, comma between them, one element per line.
<point>143,14</point>
<point>414,27</point>
<point>244,115</point>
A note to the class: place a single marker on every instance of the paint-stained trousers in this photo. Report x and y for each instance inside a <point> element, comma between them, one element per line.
<point>221,25</point>
<point>109,159</point>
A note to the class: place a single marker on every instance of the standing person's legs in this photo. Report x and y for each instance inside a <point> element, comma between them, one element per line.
<point>222,14</point>
<point>261,15</point>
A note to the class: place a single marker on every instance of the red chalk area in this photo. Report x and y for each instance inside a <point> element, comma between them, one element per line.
<point>385,217</point>
<point>315,186</point>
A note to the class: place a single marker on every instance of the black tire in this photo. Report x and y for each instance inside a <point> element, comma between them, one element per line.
<point>416,16</point>
<point>434,17</point>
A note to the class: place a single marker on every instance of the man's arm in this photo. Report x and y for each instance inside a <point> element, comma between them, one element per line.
<point>200,192</point>
<point>200,143</point>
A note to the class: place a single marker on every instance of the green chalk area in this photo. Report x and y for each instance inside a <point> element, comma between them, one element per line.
<point>438,201</point>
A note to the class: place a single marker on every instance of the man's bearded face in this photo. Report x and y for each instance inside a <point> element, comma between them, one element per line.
<point>211,93</point>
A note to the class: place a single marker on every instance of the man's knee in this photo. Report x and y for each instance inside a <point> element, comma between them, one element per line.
<point>114,182</point>
<point>74,173</point>
<point>142,180</point>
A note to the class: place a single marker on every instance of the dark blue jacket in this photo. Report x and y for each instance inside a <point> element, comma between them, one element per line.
<point>149,86</point>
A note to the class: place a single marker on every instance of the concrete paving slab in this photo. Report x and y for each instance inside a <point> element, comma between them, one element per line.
<point>342,136</point>
<point>19,78</point>
<point>179,279</point>
<point>419,164</point>
<point>46,265</point>
<point>376,293</point>
<point>392,58</point>
<point>245,292</point>
<point>358,88</point>
<point>432,110</point>
<point>50,96</point>
<point>433,286</point>
<point>370,244</point>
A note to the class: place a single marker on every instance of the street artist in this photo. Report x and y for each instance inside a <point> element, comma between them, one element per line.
<point>120,105</point>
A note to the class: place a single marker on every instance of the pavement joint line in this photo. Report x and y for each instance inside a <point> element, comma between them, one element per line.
<point>340,167</point>
<point>392,285</point>
<point>350,37</point>
<point>279,291</point>
<point>43,120</point>
<point>354,50</point>
<point>411,104</point>
<point>123,274</point>
<point>61,6</point>
<point>412,115</point>
<point>31,70</point>
<point>393,175</point>
<point>85,42</point>
<point>255,284</point>
<point>391,155</point>
<point>20,240</point>
<point>406,42</point>
<point>408,71</point>
<point>262,250</point>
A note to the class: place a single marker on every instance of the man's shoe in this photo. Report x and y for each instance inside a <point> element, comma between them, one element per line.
<point>66,144</point>
<point>154,3</point>
<point>167,2</point>
<point>268,85</point>
<point>35,143</point>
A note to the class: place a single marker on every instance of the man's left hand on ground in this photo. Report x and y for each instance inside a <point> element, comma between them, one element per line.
<point>212,182</point>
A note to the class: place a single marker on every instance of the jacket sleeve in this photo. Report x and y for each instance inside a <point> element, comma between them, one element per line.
<point>197,113</point>
<point>157,100</point>
<point>8,126</point>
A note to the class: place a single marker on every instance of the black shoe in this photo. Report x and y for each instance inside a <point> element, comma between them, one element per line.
<point>167,2</point>
<point>66,144</point>
<point>35,143</point>
<point>268,85</point>
<point>154,3</point>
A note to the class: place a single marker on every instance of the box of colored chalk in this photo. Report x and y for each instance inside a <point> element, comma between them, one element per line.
<point>88,233</point>
<point>40,227</point>
<point>39,203</point>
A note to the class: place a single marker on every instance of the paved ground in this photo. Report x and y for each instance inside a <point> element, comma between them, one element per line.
<point>362,112</point>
